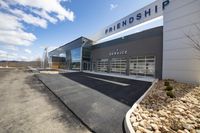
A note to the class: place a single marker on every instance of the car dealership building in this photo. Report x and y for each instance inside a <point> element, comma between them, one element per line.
<point>163,51</point>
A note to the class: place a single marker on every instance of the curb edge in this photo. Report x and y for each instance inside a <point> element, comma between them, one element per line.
<point>127,124</point>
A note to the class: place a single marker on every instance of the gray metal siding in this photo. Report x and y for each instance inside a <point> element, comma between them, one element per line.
<point>146,43</point>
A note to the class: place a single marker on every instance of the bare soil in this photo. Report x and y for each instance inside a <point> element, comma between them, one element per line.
<point>27,106</point>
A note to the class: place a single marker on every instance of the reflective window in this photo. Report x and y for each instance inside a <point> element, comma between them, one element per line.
<point>102,65</point>
<point>75,58</point>
<point>62,55</point>
<point>76,54</point>
<point>68,59</point>
<point>75,65</point>
<point>86,52</point>
<point>118,65</point>
<point>142,65</point>
<point>58,62</point>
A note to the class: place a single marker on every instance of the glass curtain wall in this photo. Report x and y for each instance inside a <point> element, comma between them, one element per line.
<point>86,58</point>
<point>68,59</point>
<point>58,62</point>
<point>75,58</point>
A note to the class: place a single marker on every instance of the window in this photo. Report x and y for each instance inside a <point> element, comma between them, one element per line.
<point>150,66</point>
<point>142,65</point>
<point>76,54</point>
<point>102,65</point>
<point>118,65</point>
<point>75,58</point>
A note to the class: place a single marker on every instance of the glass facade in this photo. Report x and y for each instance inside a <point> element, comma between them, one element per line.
<point>142,65</point>
<point>86,56</point>
<point>118,65</point>
<point>75,58</point>
<point>138,66</point>
<point>58,63</point>
<point>102,65</point>
<point>77,54</point>
<point>126,56</point>
<point>79,58</point>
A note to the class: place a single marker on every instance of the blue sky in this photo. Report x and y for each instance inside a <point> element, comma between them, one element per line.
<point>27,26</point>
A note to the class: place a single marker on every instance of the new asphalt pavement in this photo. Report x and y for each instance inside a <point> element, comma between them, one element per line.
<point>101,102</point>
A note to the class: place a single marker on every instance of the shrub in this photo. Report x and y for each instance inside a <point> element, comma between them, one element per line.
<point>166,83</point>
<point>169,88</point>
<point>170,94</point>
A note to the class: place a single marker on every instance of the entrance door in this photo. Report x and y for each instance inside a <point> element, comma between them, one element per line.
<point>86,65</point>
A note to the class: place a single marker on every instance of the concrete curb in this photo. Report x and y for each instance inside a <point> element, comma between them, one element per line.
<point>147,79</point>
<point>34,70</point>
<point>127,124</point>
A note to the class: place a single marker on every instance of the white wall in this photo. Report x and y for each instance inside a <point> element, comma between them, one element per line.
<point>180,60</point>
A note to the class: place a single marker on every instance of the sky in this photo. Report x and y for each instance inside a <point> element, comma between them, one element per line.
<point>28,26</point>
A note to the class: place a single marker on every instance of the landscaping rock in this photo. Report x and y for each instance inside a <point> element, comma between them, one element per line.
<point>159,114</point>
<point>143,123</point>
<point>144,130</point>
<point>198,131</point>
<point>155,127</point>
<point>133,119</point>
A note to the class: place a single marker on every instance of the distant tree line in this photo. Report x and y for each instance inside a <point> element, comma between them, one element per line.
<point>36,63</point>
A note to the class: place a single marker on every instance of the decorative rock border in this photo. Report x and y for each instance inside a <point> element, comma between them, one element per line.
<point>127,124</point>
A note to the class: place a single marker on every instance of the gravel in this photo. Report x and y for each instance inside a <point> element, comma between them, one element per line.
<point>26,105</point>
<point>161,114</point>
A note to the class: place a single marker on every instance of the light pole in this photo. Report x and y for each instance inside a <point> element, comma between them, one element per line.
<point>7,60</point>
<point>45,58</point>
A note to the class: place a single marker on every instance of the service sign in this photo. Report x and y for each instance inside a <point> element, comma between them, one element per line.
<point>118,52</point>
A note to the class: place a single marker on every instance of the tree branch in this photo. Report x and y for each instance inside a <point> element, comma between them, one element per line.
<point>195,44</point>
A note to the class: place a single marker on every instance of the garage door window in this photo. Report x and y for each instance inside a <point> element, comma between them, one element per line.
<point>143,66</point>
<point>118,65</point>
<point>102,65</point>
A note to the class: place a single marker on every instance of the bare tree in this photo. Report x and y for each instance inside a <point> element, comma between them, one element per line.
<point>38,62</point>
<point>195,43</point>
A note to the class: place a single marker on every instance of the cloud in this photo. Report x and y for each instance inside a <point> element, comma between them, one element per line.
<point>29,18</point>
<point>45,15</point>
<point>14,14</point>
<point>9,22</point>
<point>16,37</point>
<point>113,6</point>
<point>28,51</point>
<point>12,47</point>
<point>3,52</point>
<point>4,55</point>
<point>9,48</point>
<point>23,58</point>
<point>49,6</point>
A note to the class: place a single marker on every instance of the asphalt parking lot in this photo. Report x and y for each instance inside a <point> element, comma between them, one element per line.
<point>27,106</point>
<point>101,102</point>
